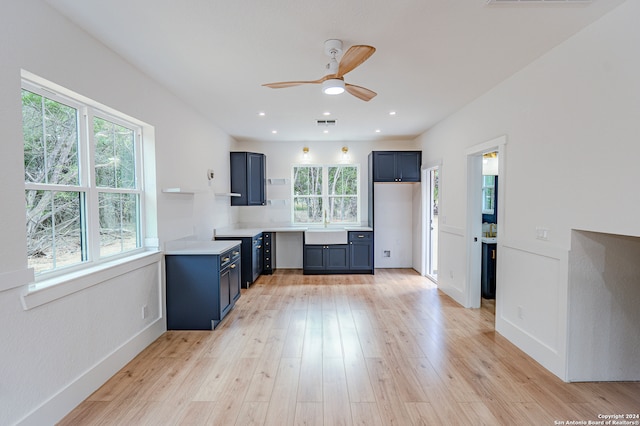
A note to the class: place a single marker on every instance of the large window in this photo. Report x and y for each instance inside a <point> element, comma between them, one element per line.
<point>82,181</point>
<point>325,194</point>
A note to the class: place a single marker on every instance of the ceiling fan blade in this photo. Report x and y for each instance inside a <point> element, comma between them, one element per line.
<point>283,84</point>
<point>355,56</point>
<point>360,92</point>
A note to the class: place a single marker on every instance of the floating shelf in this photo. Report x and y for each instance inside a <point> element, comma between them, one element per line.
<point>178,191</point>
<point>278,181</point>
<point>227,194</point>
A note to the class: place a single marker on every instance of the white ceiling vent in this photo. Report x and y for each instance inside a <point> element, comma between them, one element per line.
<point>326,123</point>
<point>524,2</point>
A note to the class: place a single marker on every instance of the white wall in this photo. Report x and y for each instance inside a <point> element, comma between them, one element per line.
<point>281,156</point>
<point>571,121</point>
<point>56,354</point>
<point>604,339</point>
<point>394,232</point>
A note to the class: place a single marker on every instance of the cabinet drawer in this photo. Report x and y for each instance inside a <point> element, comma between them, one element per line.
<point>360,236</point>
<point>229,257</point>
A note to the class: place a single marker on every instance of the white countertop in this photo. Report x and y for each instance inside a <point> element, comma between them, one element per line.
<point>250,229</point>
<point>188,246</point>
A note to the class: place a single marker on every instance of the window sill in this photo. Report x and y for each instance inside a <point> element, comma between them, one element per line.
<point>46,291</point>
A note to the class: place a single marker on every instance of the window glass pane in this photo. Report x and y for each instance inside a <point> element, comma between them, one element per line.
<point>119,224</point>
<point>343,180</point>
<point>114,155</point>
<point>55,235</point>
<point>50,133</point>
<point>343,209</point>
<point>307,180</point>
<point>307,209</point>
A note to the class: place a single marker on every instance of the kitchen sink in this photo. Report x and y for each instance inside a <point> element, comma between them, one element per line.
<point>325,236</point>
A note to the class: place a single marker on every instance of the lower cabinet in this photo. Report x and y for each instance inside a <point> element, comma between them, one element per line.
<point>353,258</point>
<point>201,289</point>
<point>327,259</point>
<point>252,255</point>
<point>268,252</point>
<point>361,251</point>
<point>488,277</point>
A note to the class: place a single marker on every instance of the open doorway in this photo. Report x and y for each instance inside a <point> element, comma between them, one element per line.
<point>431,206</point>
<point>484,220</point>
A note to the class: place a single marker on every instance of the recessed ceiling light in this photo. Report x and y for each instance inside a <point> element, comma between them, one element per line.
<point>378,130</point>
<point>274,131</point>
<point>326,113</point>
<point>325,131</point>
<point>392,113</point>
<point>262,114</point>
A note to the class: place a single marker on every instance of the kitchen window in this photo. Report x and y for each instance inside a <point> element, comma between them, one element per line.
<point>83,182</point>
<point>325,194</point>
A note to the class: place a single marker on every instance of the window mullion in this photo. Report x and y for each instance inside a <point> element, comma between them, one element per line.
<point>92,213</point>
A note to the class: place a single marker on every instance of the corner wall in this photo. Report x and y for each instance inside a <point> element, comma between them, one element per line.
<point>54,355</point>
<point>571,119</point>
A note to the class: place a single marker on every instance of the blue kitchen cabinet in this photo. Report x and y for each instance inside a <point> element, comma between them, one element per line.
<point>326,259</point>
<point>396,166</point>
<point>248,178</point>
<point>252,255</point>
<point>201,288</point>
<point>361,251</point>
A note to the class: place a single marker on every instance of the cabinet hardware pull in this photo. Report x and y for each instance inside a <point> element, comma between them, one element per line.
<point>259,246</point>
<point>360,236</point>
<point>233,266</point>
<point>493,254</point>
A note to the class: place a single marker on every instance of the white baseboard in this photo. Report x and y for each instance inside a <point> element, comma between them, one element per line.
<point>61,404</point>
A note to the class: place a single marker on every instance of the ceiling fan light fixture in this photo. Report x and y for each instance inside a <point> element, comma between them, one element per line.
<point>333,86</point>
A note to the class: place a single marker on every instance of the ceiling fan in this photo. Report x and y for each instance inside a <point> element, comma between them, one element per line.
<point>333,82</point>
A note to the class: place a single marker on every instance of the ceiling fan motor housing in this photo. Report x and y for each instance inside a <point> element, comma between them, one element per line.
<point>333,48</point>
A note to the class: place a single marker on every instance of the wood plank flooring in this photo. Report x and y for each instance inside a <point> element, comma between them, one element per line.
<point>387,349</point>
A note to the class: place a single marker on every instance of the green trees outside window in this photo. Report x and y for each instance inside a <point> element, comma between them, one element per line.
<point>82,174</point>
<point>325,194</point>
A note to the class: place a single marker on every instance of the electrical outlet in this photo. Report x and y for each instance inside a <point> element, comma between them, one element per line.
<point>386,253</point>
<point>145,311</point>
<point>210,174</point>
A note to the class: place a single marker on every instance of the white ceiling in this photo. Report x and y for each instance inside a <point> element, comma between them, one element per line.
<point>432,58</point>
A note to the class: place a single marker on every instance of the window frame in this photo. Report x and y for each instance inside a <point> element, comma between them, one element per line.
<point>325,196</point>
<point>87,110</point>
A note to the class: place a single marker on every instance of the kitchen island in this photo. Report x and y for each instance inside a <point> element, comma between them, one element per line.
<point>203,282</point>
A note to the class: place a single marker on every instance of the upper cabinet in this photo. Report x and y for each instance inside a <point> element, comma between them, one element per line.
<point>248,178</point>
<point>396,166</point>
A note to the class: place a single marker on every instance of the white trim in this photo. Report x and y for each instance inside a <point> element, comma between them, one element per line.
<point>59,405</point>
<point>13,279</point>
<point>52,289</point>
<point>473,223</point>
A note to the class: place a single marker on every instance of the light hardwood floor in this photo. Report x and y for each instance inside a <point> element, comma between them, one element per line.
<point>384,349</point>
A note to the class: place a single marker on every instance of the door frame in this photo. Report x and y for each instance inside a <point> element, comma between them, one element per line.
<point>474,216</point>
<point>426,213</point>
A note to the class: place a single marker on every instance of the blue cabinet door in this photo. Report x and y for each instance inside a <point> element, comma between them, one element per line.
<point>384,166</point>
<point>408,166</point>
<point>313,258</point>
<point>256,179</point>
<point>337,257</point>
